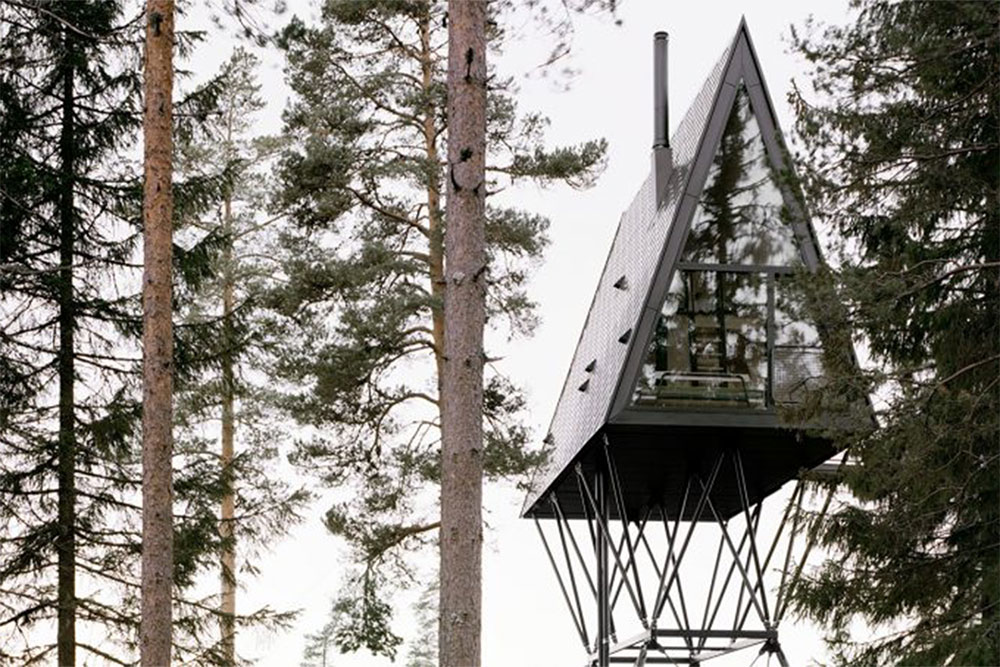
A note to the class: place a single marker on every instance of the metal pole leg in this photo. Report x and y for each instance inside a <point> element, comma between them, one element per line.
<point>603,597</point>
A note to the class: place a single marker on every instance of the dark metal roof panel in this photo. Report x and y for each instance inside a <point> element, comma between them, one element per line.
<point>614,312</point>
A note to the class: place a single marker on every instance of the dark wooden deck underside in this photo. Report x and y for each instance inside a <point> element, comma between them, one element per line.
<point>655,462</point>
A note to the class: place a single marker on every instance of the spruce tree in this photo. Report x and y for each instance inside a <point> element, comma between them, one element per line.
<point>67,104</point>
<point>901,137</point>
<point>364,276</point>
<point>70,217</point>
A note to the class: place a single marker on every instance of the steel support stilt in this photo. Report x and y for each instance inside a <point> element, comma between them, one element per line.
<point>739,566</point>
<point>603,578</point>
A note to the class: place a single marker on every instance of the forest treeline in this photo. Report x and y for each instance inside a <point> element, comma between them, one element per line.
<point>200,337</point>
<point>181,323</point>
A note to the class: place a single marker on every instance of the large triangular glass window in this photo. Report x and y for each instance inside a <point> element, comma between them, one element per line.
<point>732,331</point>
<point>741,216</point>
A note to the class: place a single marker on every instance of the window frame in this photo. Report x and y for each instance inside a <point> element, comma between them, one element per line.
<point>771,274</point>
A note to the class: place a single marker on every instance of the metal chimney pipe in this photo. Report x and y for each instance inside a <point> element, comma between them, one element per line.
<point>660,120</point>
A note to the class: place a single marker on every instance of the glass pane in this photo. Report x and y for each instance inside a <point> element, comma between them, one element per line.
<point>668,351</point>
<point>740,218</point>
<point>710,343</point>
<point>746,332</point>
<point>798,354</point>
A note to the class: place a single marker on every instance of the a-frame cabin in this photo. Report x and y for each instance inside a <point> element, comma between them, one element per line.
<point>695,338</point>
<point>673,411</point>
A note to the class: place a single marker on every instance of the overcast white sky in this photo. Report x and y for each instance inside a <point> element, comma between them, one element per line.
<point>525,620</point>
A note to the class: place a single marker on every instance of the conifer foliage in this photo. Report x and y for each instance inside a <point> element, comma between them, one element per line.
<point>228,436</point>
<point>901,133</point>
<point>68,106</point>
<point>363,183</point>
<point>70,372</point>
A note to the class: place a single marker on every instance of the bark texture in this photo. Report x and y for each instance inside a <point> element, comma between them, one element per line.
<point>157,339</point>
<point>462,382</point>
<point>66,540</point>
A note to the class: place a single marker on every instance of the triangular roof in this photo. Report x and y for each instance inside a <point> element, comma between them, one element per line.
<point>643,254</point>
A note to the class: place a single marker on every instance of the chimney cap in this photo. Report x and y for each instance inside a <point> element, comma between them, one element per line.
<point>661,34</point>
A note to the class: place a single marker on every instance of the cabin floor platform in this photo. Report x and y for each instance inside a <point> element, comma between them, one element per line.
<point>665,465</point>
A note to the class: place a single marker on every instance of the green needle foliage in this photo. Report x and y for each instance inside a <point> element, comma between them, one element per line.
<point>363,182</point>
<point>903,157</point>
<point>227,434</point>
<point>70,321</point>
<point>68,213</point>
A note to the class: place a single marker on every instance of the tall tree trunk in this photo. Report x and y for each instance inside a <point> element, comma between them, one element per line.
<point>435,229</point>
<point>66,540</point>
<point>462,386</point>
<point>157,339</point>
<point>226,528</point>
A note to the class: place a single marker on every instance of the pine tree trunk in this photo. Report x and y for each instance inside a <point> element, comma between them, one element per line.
<point>435,230</point>
<point>157,339</point>
<point>66,540</point>
<point>226,532</point>
<point>462,386</point>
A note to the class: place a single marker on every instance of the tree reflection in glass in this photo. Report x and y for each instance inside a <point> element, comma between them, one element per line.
<point>710,346</point>
<point>798,355</point>
<point>740,218</point>
<point>710,342</point>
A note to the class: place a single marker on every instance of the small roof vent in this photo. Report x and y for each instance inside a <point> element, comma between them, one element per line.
<point>591,366</point>
<point>624,338</point>
<point>621,283</point>
<point>583,387</point>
